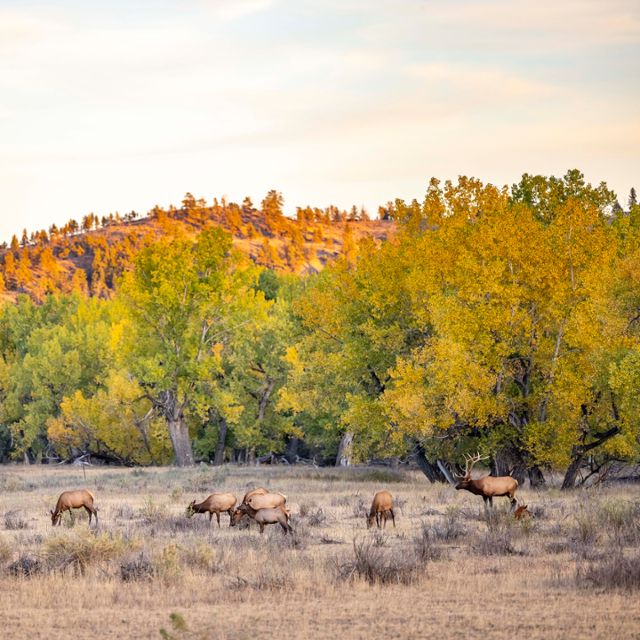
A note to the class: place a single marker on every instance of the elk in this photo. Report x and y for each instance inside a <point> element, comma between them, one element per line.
<point>266,501</point>
<point>74,500</point>
<point>489,487</point>
<point>522,512</point>
<point>215,503</point>
<point>258,491</point>
<point>381,506</point>
<point>278,515</point>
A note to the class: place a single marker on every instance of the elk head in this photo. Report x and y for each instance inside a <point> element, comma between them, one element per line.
<point>237,515</point>
<point>370,521</point>
<point>522,512</point>
<point>190,509</point>
<point>54,517</point>
<point>464,480</point>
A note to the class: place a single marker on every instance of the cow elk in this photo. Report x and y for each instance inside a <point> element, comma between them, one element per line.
<point>278,515</point>
<point>215,503</point>
<point>488,487</point>
<point>381,508</point>
<point>69,500</point>
<point>258,491</point>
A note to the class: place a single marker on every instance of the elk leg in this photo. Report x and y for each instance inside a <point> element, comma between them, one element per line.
<point>393,518</point>
<point>284,526</point>
<point>514,503</point>
<point>210,516</point>
<point>89,512</point>
<point>218,518</point>
<point>230,515</point>
<point>73,520</point>
<point>261,527</point>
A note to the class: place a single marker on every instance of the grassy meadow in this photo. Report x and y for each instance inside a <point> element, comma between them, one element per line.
<point>571,571</point>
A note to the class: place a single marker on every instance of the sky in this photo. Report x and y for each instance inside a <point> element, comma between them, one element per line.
<point>123,105</point>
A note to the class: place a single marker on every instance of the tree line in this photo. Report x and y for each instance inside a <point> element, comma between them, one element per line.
<point>503,320</point>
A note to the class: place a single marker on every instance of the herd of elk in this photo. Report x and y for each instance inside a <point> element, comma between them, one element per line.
<point>265,507</point>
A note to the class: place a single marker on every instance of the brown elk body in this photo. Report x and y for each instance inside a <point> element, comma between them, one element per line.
<point>215,503</point>
<point>381,508</point>
<point>73,500</point>
<point>266,501</point>
<point>278,515</point>
<point>258,491</point>
<point>488,487</point>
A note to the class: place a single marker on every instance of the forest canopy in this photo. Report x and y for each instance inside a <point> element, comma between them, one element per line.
<point>504,320</point>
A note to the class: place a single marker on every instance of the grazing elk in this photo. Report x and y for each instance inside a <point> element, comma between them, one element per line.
<point>489,487</point>
<point>266,501</point>
<point>278,515</point>
<point>74,500</point>
<point>215,503</point>
<point>258,491</point>
<point>381,506</point>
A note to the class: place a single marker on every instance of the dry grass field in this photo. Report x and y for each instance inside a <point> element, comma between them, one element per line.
<point>573,571</point>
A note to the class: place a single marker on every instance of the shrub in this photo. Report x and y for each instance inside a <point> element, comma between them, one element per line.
<point>14,520</point>
<point>614,572</point>
<point>498,539</point>
<point>621,520</point>
<point>316,518</point>
<point>379,566</point>
<point>26,565</point>
<point>448,527</point>
<point>424,546</point>
<point>138,568</point>
<point>80,550</point>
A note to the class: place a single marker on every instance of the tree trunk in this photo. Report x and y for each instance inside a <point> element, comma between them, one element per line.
<point>571,474</point>
<point>291,450</point>
<point>179,433</point>
<point>222,438</point>
<point>579,452</point>
<point>430,470</point>
<point>343,459</point>
<point>536,477</point>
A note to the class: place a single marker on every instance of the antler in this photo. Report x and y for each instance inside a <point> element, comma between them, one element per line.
<point>469,462</point>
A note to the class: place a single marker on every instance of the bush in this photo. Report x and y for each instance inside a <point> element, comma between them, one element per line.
<point>14,520</point>
<point>137,569</point>
<point>448,527</point>
<point>424,546</point>
<point>498,539</point>
<point>615,572</point>
<point>621,521</point>
<point>316,518</point>
<point>26,565</point>
<point>80,550</point>
<point>376,565</point>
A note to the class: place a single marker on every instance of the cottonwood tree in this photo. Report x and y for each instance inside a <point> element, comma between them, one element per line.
<point>183,297</point>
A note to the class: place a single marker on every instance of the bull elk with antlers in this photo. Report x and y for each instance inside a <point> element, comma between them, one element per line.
<point>489,487</point>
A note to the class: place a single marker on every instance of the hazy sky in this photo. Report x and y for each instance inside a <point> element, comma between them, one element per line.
<point>113,106</point>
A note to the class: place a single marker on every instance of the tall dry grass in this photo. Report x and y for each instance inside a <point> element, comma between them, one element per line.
<point>447,567</point>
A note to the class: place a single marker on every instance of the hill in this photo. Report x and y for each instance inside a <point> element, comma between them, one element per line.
<point>90,256</point>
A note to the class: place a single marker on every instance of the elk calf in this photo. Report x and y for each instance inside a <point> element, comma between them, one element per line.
<point>381,508</point>
<point>73,500</point>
